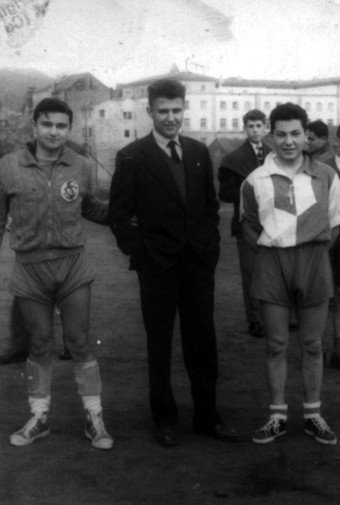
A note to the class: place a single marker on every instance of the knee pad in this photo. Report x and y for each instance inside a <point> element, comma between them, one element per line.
<point>39,378</point>
<point>87,377</point>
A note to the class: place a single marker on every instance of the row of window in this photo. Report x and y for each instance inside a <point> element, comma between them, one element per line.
<point>267,105</point>
<point>126,115</point>
<point>236,123</point>
<point>204,123</point>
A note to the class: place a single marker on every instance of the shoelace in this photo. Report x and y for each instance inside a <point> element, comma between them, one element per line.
<point>320,423</point>
<point>273,423</point>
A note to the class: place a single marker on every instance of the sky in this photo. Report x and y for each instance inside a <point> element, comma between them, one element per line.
<point>124,40</point>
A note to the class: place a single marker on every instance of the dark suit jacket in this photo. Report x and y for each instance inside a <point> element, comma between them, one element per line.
<point>144,188</point>
<point>235,167</point>
<point>332,163</point>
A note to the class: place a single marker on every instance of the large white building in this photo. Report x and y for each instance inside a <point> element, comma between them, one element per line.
<point>214,109</point>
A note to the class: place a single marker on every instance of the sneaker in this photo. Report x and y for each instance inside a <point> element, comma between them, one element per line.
<point>319,429</point>
<point>275,427</point>
<point>96,432</point>
<point>37,427</point>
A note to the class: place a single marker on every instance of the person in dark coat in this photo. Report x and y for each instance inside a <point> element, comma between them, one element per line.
<point>317,140</point>
<point>163,212</point>
<point>235,167</point>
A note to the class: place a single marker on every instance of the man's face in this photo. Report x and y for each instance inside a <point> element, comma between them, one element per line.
<point>289,140</point>
<point>167,116</point>
<point>255,130</point>
<point>51,131</point>
<point>314,143</point>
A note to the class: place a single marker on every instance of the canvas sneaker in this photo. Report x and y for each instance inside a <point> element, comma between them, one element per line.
<point>96,432</point>
<point>36,427</point>
<point>319,429</point>
<point>275,427</point>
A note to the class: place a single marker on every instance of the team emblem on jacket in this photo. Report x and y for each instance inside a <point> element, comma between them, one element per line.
<point>69,190</point>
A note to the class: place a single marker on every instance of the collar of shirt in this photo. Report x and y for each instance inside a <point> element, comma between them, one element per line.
<point>255,146</point>
<point>163,143</point>
<point>271,166</point>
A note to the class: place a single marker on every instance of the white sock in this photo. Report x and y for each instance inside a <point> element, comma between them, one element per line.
<point>92,404</point>
<point>39,406</point>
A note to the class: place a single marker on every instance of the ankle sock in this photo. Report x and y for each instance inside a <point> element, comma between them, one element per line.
<point>311,410</point>
<point>279,411</point>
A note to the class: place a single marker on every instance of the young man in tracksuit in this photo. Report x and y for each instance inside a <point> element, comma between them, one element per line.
<point>46,188</point>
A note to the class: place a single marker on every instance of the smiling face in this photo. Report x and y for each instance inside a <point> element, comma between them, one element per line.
<point>255,130</point>
<point>51,132</point>
<point>289,140</point>
<point>167,116</point>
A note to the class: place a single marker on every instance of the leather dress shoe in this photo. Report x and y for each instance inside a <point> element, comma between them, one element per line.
<point>166,436</point>
<point>65,354</point>
<point>219,431</point>
<point>14,357</point>
<point>331,360</point>
<point>256,330</point>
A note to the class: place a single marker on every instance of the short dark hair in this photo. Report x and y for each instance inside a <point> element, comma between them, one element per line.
<point>287,112</point>
<point>338,132</point>
<point>319,128</point>
<point>48,105</point>
<point>254,115</point>
<point>165,88</point>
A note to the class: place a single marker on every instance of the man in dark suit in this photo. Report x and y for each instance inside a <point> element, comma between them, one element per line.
<point>235,167</point>
<point>317,140</point>
<point>164,214</point>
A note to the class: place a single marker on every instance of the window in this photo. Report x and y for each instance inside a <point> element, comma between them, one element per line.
<point>235,105</point>
<point>278,103</point>
<point>84,132</point>
<point>223,122</point>
<point>203,104</point>
<point>319,106</point>
<point>330,107</point>
<point>247,105</point>
<point>186,122</point>
<point>308,106</point>
<point>102,113</point>
<point>127,115</point>
<point>267,124</point>
<point>187,105</point>
<point>203,139</point>
<point>330,122</point>
<point>90,132</point>
<point>223,105</point>
<point>126,133</point>
<point>203,87</point>
<point>235,124</point>
<point>203,122</point>
<point>267,105</point>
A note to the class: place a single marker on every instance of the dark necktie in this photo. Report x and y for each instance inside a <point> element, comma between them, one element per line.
<point>174,153</point>
<point>260,154</point>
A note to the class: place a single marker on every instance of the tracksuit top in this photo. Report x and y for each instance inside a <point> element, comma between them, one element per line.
<point>47,213</point>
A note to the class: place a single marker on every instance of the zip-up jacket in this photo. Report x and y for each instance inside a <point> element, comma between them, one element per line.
<point>47,213</point>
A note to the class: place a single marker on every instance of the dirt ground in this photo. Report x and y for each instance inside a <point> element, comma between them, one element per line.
<point>63,469</point>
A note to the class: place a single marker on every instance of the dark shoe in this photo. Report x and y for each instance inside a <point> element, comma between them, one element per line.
<point>14,357</point>
<point>219,431</point>
<point>166,436</point>
<point>256,330</point>
<point>274,428</point>
<point>65,355</point>
<point>332,360</point>
<point>319,429</point>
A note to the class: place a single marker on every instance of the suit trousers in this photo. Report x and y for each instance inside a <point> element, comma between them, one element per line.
<point>247,257</point>
<point>189,287</point>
